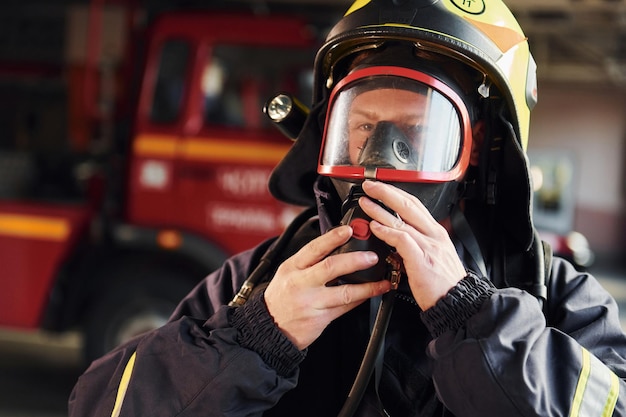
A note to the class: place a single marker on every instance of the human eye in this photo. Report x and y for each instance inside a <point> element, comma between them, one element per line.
<point>365,127</point>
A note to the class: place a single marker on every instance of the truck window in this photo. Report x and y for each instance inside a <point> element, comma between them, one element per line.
<point>238,79</point>
<point>36,155</point>
<point>169,89</point>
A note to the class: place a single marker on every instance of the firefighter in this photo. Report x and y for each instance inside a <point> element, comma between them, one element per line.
<point>420,287</point>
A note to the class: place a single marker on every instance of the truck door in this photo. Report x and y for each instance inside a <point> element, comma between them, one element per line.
<point>204,150</point>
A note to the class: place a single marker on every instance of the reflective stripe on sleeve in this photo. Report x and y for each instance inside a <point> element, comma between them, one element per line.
<point>597,389</point>
<point>121,390</point>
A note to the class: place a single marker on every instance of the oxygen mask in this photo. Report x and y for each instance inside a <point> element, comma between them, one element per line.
<point>399,126</point>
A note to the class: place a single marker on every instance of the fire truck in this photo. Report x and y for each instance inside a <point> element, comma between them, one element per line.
<point>148,172</point>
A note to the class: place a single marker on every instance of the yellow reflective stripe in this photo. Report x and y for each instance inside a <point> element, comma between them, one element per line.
<point>582,384</point>
<point>609,407</point>
<point>37,227</point>
<point>597,389</point>
<point>121,390</point>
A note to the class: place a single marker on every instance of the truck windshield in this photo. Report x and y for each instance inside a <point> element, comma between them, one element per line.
<point>237,80</point>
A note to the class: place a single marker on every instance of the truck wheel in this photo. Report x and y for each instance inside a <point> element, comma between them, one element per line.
<point>130,307</point>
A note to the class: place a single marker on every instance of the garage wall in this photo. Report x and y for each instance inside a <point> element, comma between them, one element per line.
<point>591,124</point>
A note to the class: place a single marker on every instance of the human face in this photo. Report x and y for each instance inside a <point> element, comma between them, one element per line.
<point>395,124</point>
<point>405,109</point>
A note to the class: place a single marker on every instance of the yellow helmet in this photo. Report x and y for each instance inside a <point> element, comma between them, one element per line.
<point>482,34</point>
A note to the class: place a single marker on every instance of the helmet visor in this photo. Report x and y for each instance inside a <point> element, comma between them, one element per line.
<point>395,124</point>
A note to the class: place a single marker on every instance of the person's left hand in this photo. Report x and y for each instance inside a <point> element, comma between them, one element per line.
<point>432,265</point>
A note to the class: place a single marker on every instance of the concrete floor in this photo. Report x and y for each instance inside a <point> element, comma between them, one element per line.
<point>37,373</point>
<point>38,370</point>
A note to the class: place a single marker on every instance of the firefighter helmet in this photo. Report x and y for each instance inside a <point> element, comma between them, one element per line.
<point>482,36</point>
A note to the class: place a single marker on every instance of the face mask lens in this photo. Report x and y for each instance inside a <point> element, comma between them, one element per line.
<point>392,122</point>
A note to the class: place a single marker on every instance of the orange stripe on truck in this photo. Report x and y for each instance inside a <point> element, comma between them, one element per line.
<point>204,149</point>
<point>155,146</point>
<point>38,227</point>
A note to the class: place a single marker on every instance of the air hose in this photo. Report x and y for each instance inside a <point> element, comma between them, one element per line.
<point>374,345</point>
<point>379,328</point>
<point>267,260</point>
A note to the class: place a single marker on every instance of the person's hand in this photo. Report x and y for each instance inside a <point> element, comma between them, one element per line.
<point>298,299</point>
<point>431,262</point>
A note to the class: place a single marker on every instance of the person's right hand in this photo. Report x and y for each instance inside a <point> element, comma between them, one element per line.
<point>297,297</point>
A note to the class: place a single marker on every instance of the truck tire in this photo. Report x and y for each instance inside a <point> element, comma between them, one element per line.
<point>131,306</point>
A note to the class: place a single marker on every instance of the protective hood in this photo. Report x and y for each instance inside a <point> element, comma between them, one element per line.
<point>293,178</point>
<point>467,34</point>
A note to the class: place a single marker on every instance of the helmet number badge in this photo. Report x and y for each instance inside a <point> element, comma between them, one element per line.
<point>470,6</point>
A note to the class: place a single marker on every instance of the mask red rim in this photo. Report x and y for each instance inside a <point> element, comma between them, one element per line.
<point>394,175</point>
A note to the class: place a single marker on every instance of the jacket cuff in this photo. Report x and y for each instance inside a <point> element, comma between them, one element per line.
<point>258,332</point>
<point>461,302</point>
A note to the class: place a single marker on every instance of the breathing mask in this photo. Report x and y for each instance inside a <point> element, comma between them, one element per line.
<point>400,126</point>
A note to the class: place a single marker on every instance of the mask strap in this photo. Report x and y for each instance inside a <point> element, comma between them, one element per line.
<point>464,233</point>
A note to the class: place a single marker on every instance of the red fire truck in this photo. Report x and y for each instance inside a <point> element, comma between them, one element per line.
<point>105,226</point>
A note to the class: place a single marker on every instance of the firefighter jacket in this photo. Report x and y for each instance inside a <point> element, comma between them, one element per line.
<point>481,351</point>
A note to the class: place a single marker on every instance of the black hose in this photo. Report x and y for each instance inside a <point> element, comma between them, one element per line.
<point>368,363</point>
<point>268,257</point>
<point>378,331</point>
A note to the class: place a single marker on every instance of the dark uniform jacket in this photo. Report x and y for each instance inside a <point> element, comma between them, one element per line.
<point>481,351</point>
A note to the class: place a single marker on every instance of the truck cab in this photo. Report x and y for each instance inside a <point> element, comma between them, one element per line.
<point>106,237</point>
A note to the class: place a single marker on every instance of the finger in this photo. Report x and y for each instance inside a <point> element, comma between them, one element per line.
<point>407,206</point>
<point>320,247</point>
<point>405,239</point>
<point>393,197</point>
<point>412,245</point>
<point>344,298</point>
<point>338,265</point>
<point>378,213</point>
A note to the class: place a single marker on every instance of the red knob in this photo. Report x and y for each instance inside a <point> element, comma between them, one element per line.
<point>361,229</point>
